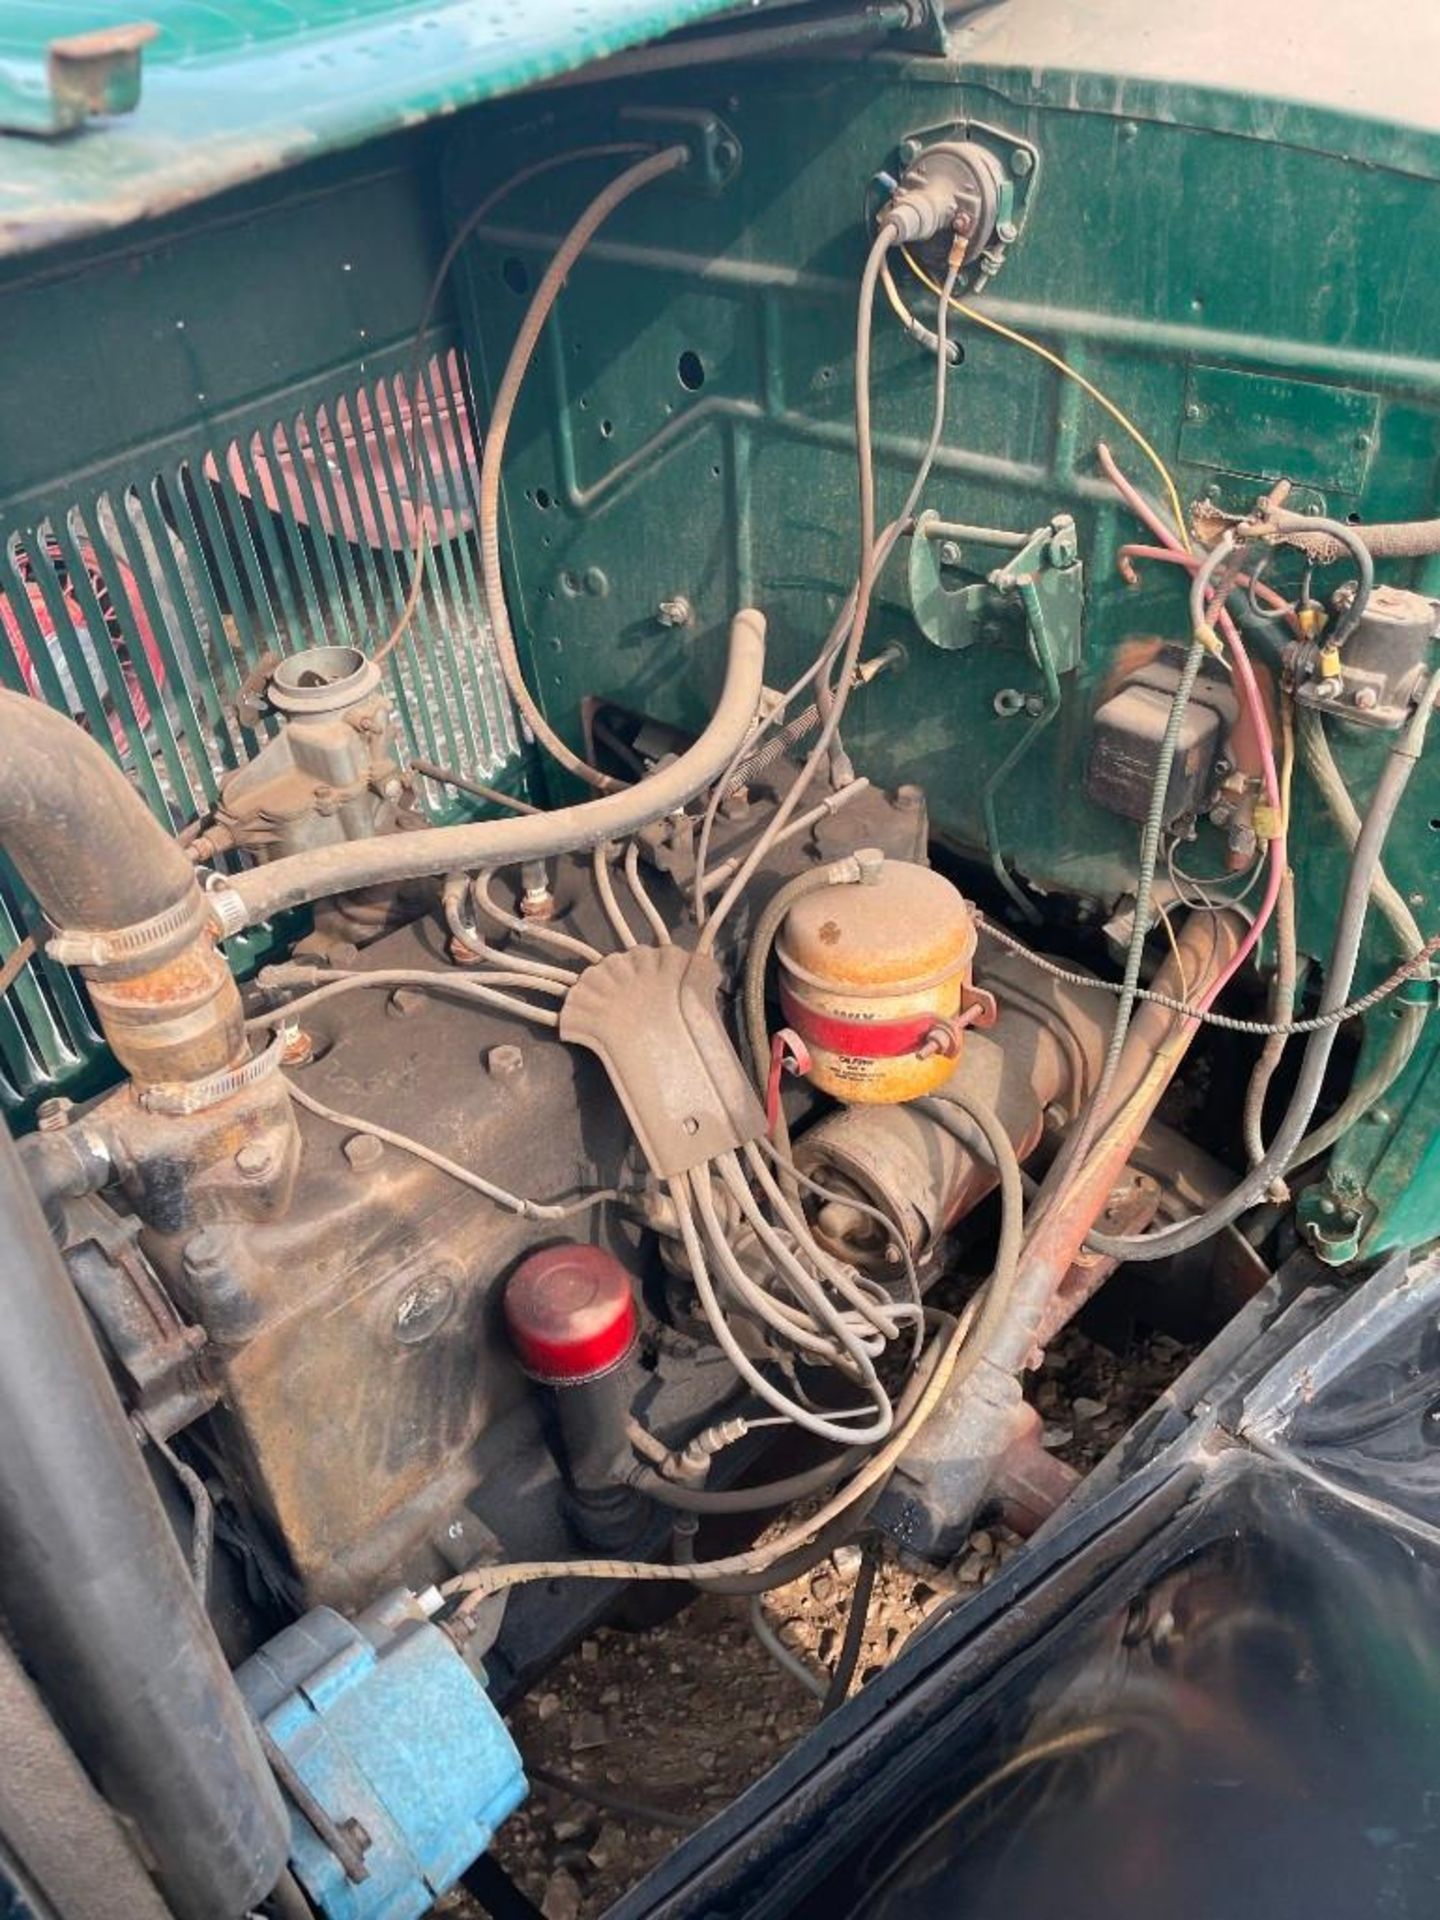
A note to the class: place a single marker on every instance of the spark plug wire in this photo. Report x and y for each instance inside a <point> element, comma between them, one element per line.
<point>952,1358</point>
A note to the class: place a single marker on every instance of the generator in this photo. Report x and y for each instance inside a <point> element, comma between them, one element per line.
<point>700,709</point>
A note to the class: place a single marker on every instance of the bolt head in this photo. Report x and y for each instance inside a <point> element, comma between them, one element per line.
<point>675,612</point>
<point>1021,163</point>
<point>949,553</point>
<point>299,1049</point>
<point>255,1160</point>
<point>1366,698</point>
<point>504,1062</point>
<point>53,1115</point>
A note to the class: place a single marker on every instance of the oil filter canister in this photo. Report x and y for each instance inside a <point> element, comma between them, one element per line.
<point>875,977</point>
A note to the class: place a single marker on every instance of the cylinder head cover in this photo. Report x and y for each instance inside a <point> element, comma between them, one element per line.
<point>873,977</point>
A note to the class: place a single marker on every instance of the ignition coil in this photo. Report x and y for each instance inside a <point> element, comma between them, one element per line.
<point>953,187</point>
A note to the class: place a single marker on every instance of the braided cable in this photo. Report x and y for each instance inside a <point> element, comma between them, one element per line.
<point>1408,969</point>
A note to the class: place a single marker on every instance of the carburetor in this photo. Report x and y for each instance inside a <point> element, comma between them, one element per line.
<point>329,774</point>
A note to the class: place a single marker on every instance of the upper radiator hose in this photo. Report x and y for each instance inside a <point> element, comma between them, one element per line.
<point>263,891</point>
<point>121,895</point>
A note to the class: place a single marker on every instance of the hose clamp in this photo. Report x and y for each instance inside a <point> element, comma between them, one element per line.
<point>179,1098</point>
<point>145,941</point>
<point>225,907</point>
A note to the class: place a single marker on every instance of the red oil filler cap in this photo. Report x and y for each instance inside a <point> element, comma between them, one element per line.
<point>571,1314</point>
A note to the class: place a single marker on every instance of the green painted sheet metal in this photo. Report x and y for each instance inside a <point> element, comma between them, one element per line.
<point>1248,225</point>
<point>230,92</point>
<point>203,461</point>
<point>1290,282</point>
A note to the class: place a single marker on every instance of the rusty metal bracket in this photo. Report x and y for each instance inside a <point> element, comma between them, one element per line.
<point>346,1838</point>
<point>251,702</point>
<point>788,1054</point>
<point>86,76</point>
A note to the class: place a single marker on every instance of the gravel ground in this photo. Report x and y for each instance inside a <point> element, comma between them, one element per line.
<point>679,1720</point>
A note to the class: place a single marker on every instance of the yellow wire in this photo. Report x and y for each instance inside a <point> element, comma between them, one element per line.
<point>892,294</point>
<point>1184,993</point>
<point>1122,420</point>
<point>1287,757</point>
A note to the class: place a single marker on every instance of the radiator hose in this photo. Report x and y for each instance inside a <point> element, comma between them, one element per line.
<point>97,1592</point>
<point>83,840</point>
<point>121,897</point>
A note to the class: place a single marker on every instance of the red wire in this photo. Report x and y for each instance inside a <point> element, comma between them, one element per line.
<point>1170,549</point>
<point>1259,719</point>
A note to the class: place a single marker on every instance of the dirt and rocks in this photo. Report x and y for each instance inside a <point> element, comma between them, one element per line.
<point>678,1720</point>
